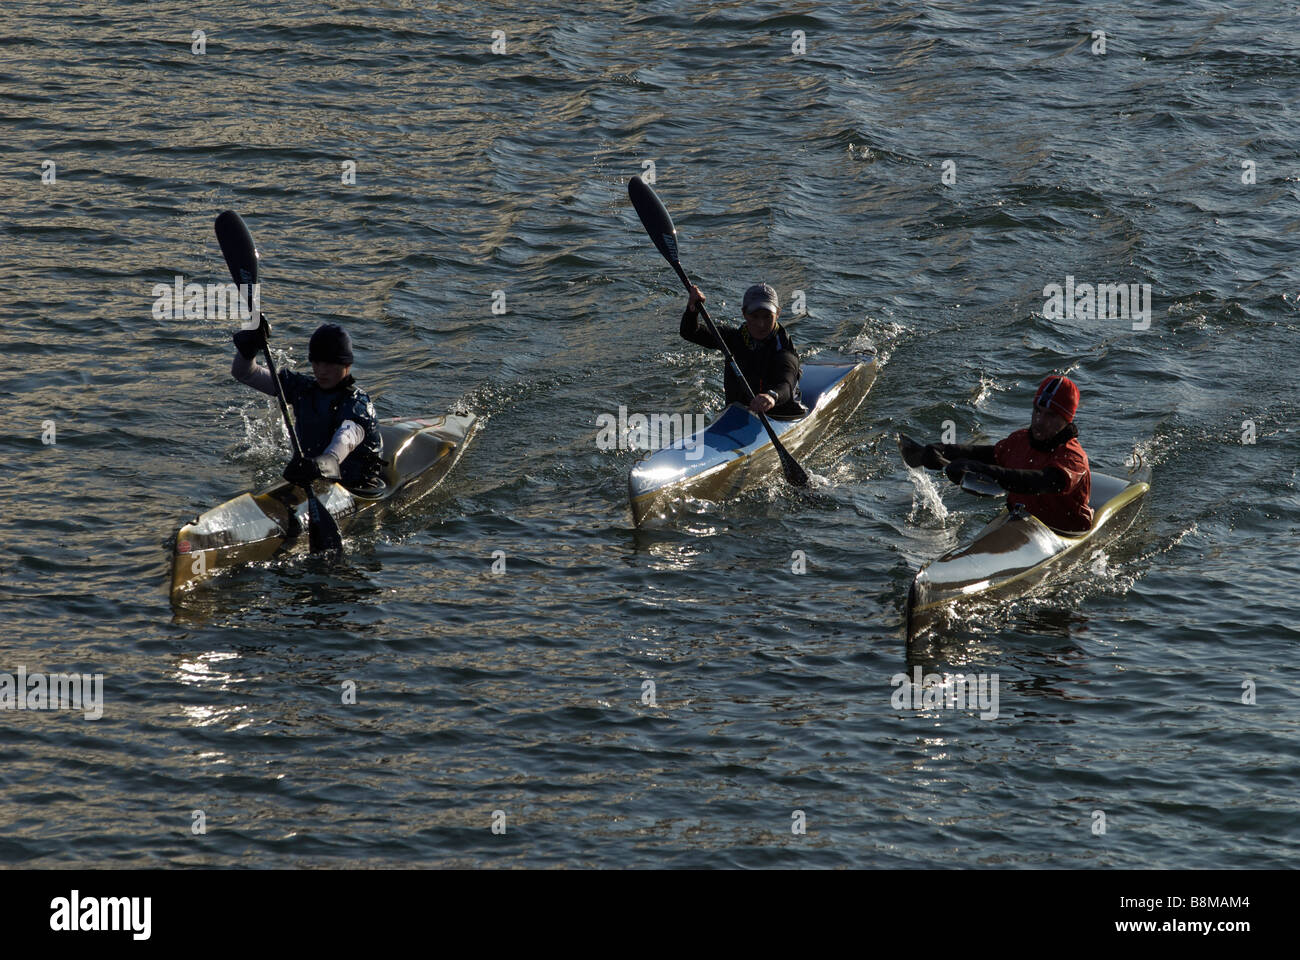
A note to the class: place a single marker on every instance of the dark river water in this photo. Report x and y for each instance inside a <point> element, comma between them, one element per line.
<point>918,172</point>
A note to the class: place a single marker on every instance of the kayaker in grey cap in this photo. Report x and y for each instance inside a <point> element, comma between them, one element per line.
<point>762,348</point>
<point>335,419</point>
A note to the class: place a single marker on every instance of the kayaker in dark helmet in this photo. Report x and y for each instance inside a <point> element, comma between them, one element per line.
<point>1044,467</point>
<point>334,417</point>
<point>762,348</point>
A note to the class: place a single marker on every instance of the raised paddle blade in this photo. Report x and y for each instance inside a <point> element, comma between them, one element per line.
<point>654,217</point>
<point>238,249</point>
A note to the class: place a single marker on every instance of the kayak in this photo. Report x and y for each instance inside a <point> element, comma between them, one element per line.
<point>254,527</point>
<point>1017,551</point>
<point>735,451</point>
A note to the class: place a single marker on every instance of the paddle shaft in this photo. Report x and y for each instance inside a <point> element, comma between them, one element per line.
<point>658,224</point>
<point>722,344</point>
<point>279,395</point>
<point>241,257</point>
<point>322,531</point>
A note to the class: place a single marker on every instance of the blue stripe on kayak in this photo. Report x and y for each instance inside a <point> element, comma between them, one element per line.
<point>736,429</point>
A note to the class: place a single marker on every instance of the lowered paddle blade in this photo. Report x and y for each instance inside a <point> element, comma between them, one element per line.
<point>322,531</point>
<point>980,485</point>
<point>794,474</point>
<point>654,217</point>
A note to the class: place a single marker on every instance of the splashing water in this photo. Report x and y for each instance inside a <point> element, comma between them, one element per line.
<point>925,494</point>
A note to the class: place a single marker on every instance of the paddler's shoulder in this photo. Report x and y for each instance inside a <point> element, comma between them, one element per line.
<point>1017,438</point>
<point>294,383</point>
<point>783,339</point>
<point>1072,451</point>
<point>356,400</point>
<point>1013,450</point>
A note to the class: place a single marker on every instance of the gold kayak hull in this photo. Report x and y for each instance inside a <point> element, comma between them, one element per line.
<point>255,527</point>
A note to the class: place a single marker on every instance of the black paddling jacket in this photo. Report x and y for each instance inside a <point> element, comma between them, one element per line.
<point>318,415</point>
<point>770,366</point>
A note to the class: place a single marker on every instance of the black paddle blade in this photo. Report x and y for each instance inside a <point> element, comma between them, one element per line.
<point>238,249</point>
<point>795,475</point>
<point>913,452</point>
<point>654,217</point>
<point>322,532</point>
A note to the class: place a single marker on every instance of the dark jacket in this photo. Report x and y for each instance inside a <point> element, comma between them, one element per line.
<point>771,366</point>
<point>318,415</point>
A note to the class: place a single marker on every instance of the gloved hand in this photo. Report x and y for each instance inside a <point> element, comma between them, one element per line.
<point>302,471</point>
<point>694,300</point>
<point>956,469</point>
<point>248,342</point>
<point>959,471</point>
<point>933,456</point>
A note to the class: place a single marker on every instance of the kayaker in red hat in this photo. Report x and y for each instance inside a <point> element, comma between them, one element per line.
<point>334,417</point>
<point>1043,467</point>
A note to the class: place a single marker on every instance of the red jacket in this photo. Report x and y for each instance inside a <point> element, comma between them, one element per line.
<point>1068,510</point>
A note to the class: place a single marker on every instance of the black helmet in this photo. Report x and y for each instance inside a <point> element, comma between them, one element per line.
<point>330,344</point>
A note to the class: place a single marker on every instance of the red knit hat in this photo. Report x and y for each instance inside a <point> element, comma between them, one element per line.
<point>1059,395</point>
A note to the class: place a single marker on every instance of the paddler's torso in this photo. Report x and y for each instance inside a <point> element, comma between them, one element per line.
<point>318,414</point>
<point>770,364</point>
<point>759,360</point>
<point>1068,510</point>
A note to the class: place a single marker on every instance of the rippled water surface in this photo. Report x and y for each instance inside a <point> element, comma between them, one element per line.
<point>523,692</point>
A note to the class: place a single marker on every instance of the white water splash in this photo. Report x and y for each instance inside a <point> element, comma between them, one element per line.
<point>926,494</point>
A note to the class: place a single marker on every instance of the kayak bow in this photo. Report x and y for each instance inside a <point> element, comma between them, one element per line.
<point>734,451</point>
<point>254,527</point>
<point>1016,552</point>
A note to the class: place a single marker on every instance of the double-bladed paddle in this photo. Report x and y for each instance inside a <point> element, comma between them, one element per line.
<point>654,217</point>
<point>241,257</point>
